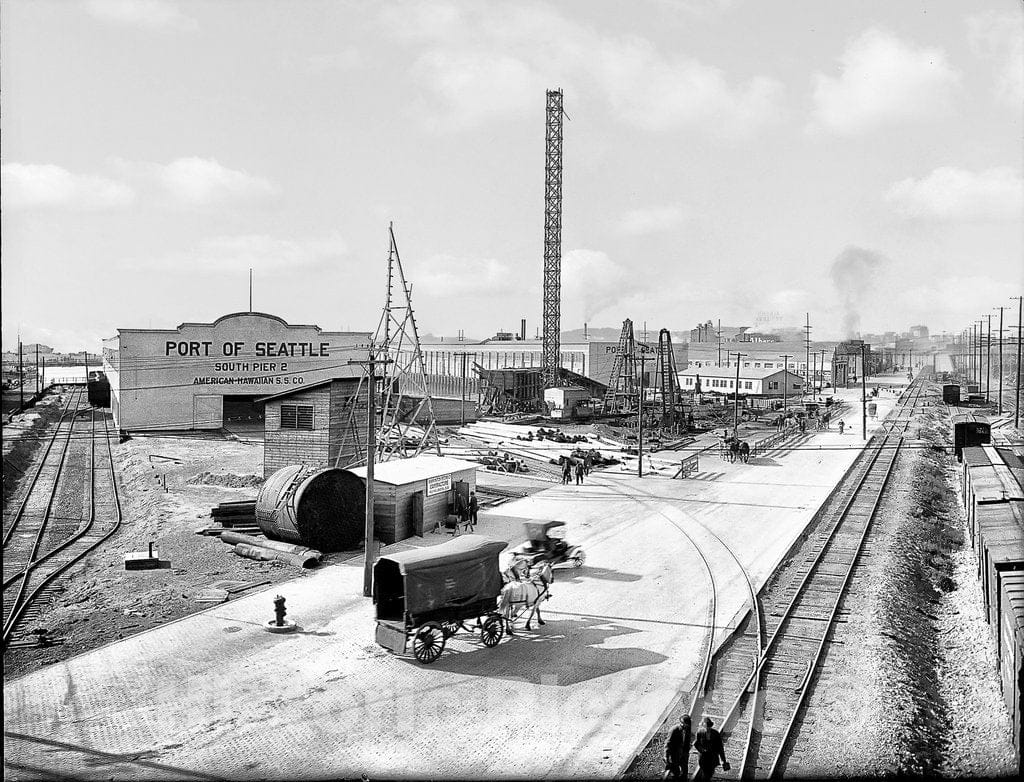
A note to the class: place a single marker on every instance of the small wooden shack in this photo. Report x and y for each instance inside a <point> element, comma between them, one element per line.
<point>319,425</point>
<point>415,495</point>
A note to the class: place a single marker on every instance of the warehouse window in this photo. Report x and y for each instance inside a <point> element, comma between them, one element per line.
<point>296,416</point>
<point>748,384</point>
<point>773,385</point>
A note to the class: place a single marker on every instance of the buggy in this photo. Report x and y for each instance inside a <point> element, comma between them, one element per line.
<point>542,546</point>
<point>426,595</point>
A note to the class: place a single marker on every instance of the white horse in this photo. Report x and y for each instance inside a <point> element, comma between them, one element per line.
<point>523,595</point>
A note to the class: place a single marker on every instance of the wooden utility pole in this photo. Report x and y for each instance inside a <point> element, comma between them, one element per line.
<point>807,353</point>
<point>1000,359</point>
<point>719,332</point>
<point>21,379</point>
<point>863,393</point>
<point>988,361</point>
<point>371,448</point>
<point>1016,407</point>
<point>785,382</point>
<point>736,398</point>
<point>37,369</point>
<point>640,419</point>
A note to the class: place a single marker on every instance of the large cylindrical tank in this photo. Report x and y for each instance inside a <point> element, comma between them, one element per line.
<point>324,509</point>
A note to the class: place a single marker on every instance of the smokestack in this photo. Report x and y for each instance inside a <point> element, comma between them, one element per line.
<point>584,331</point>
<point>522,329</point>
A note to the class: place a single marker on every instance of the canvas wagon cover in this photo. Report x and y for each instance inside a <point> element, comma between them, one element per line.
<point>461,571</point>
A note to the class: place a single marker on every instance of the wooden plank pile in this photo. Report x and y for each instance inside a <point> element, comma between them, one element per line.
<point>239,516</point>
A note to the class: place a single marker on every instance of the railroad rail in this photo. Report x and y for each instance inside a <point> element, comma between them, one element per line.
<point>31,574</point>
<point>46,475</point>
<point>756,689</point>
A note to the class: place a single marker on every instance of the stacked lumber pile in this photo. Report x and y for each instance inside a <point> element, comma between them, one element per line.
<point>239,516</point>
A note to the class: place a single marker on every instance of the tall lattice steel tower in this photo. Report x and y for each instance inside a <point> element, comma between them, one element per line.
<point>552,237</point>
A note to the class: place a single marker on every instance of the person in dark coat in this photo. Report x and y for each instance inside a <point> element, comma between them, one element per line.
<point>474,506</point>
<point>566,471</point>
<point>579,473</point>
<point>677,749</point>
<point>708,743</point>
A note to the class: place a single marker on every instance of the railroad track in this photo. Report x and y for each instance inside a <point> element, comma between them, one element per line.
<point>31,574</point>
<point>756,688</point>
<point>41,488</point>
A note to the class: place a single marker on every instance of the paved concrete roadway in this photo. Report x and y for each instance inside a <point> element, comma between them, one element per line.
<point>214,694</point>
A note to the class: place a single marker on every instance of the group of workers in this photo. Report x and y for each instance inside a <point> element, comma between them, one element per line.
<point>707,742</point>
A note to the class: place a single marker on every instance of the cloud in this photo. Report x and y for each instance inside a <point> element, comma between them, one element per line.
<point>478,64</point>
<point>591,283</point>
<point>956,194</point>
<point>41,186</point>
<point>147,14</point>
<point>883,80</point>
<point>999,38</point>
<point>651,220</point>
<point>196,181</point>
<point>203,181</point>
<point>448,276</point>
<point>257,251</point>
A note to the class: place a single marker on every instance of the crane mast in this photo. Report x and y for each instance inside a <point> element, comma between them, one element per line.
<point>552,238</point>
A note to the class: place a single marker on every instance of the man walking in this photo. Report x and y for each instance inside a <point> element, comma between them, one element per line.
<point>708,744</point>
<point>842,425</point>
<point>473,507</point>
<point>677,749</point>
<point>579,473</point>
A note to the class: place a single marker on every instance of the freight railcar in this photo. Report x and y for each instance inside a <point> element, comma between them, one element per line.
<point>969,430</point>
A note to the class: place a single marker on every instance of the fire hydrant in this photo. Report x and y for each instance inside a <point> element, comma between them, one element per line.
<point>279,610</point>
<point>279,624</point>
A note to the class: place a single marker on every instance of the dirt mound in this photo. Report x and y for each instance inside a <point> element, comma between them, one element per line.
<point>228,479</point>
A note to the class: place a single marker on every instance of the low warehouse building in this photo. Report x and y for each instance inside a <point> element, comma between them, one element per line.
<point>415,495</point>
<point>752,382</point>
<point>318,425</point>
<point>209,375</point>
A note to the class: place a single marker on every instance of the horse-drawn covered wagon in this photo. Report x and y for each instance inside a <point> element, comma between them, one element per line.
<point>426,595</point>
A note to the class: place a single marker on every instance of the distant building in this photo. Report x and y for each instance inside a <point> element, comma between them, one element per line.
<point>710,332</point>
<point>918,332</point>
<point>764,382</point>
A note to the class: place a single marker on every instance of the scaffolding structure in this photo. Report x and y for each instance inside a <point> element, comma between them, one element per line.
<point>672,412</point>
<point>406,410</point>
<point>552,237</point>
<point>621,396</point>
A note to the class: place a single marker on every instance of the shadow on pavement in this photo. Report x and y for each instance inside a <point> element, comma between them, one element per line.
<point>604,573</point>
<point>561,653</point>
<point>763,461</point>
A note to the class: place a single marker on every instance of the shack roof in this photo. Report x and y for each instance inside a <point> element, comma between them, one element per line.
<point>464,548</point>
<point>417,468</point>
<point>345,373</point>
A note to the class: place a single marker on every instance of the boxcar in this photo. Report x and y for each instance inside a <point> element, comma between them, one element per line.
<point>969,430</point>
<point>1011,639</point>
<point>951,394</point>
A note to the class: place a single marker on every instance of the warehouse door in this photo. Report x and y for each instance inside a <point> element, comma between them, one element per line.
<point>206,412</point>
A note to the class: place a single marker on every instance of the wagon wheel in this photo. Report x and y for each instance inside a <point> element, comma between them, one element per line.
<point>492,630</point>
<point>450,628</point>
<point>428,642</point>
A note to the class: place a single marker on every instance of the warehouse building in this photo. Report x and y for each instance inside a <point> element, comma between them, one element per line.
<point>210,375</point>
<point>764,382</point>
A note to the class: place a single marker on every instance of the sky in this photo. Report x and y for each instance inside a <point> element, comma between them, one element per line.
<point>749,160</point>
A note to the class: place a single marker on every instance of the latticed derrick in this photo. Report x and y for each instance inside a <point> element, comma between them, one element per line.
<point>668,379</point>
<point>552,238</point>
<point>623,387</point>
<point>406,409</point>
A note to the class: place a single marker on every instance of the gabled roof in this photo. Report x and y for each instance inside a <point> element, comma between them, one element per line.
<point>417,468</point>
<point>354,373</point>
<point>746,373</point>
